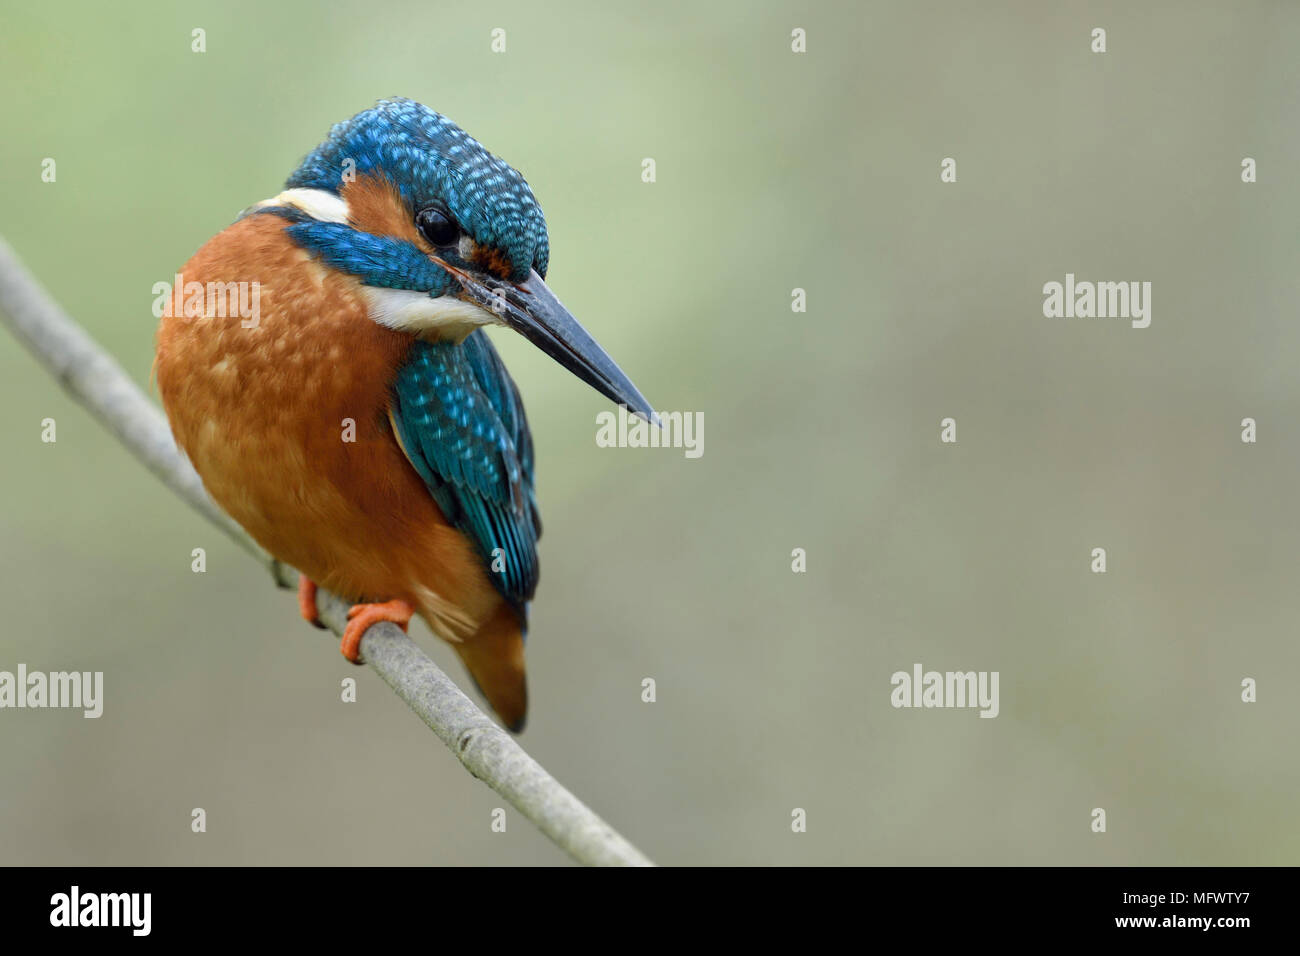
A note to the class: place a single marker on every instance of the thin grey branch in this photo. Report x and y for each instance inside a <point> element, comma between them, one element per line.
<point>487,751</point>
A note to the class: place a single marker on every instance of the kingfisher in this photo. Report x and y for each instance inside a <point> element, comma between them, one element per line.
<point>360,425</point>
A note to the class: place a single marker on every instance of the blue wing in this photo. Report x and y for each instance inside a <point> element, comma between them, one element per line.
<point>461,423</point>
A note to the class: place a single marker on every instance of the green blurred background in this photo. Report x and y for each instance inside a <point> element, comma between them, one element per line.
<point>775,171</point>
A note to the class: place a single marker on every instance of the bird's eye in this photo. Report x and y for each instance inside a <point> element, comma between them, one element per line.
<point>436,226</point>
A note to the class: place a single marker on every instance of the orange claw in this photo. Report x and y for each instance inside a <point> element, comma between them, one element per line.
<point>361,616</point>
<point>307,601</point>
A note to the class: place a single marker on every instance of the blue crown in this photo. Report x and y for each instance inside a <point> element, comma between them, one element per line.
<point>432,160</point>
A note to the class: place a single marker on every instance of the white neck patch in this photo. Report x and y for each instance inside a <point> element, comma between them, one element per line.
<point>320,205</point>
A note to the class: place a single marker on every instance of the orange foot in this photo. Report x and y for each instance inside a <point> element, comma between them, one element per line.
<point>361,616</point>
<point>307,601</point>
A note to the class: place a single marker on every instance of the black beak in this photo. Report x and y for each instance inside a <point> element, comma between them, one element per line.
<point>532,310</point>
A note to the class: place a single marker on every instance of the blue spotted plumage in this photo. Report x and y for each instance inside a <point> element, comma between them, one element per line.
<point>461,423</point>
<point>427,156</point>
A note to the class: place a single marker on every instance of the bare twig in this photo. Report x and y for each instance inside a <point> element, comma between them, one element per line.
<point>488,752</point>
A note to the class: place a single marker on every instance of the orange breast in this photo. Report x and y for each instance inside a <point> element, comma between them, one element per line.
<point>287,424</point>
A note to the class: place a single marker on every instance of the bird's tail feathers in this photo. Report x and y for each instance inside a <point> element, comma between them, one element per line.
<point>494,656</point>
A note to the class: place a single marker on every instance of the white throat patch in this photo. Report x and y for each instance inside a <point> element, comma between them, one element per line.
<point>410,311</point>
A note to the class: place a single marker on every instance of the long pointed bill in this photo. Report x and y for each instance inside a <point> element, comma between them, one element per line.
<point>532,310</point>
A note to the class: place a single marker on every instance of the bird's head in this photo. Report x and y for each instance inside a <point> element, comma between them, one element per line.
<point>443,236</point>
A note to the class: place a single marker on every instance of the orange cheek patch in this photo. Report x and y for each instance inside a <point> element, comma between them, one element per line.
<point>491,260</point>
<point>375,206</point>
